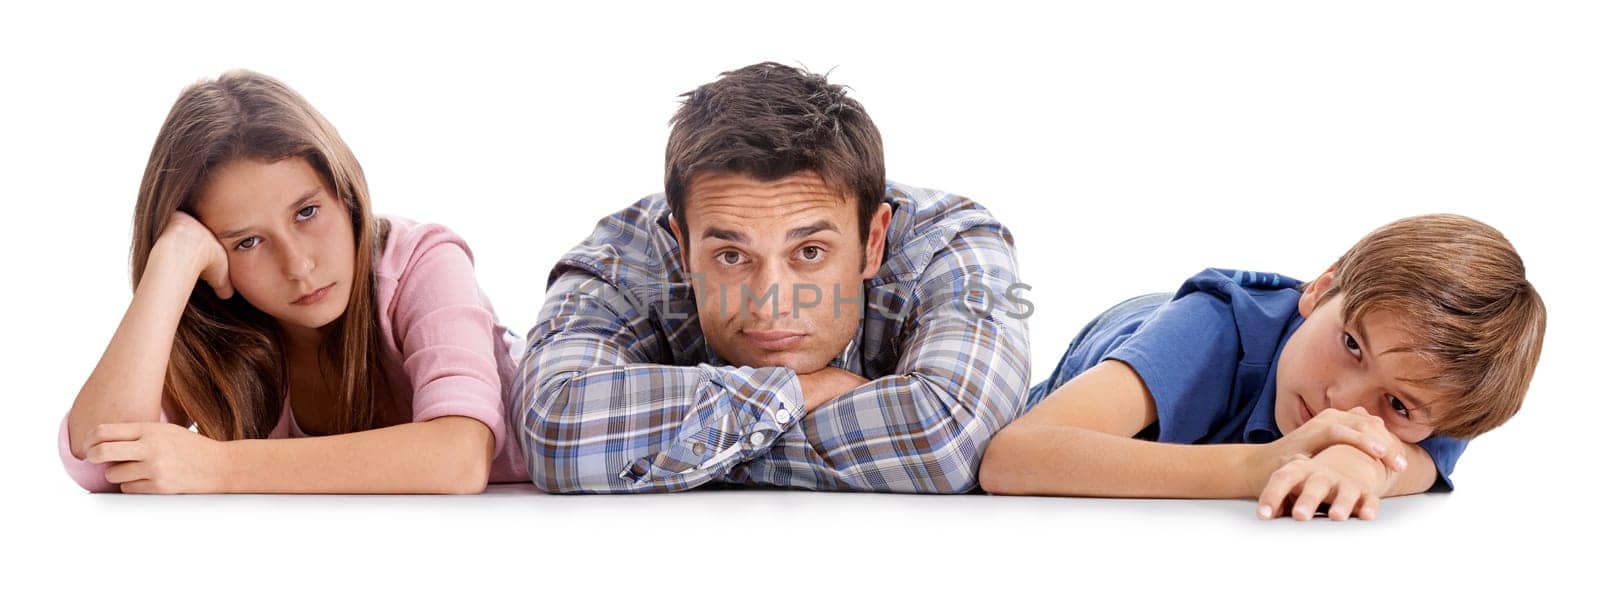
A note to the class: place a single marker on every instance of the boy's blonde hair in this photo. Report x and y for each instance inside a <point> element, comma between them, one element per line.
<point>1462,291</point>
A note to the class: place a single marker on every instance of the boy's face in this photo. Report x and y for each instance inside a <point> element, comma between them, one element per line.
<point>1332,363</point>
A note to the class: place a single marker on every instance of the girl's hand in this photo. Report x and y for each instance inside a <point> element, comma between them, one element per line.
<point>158,458</point>
<point>187,243</point>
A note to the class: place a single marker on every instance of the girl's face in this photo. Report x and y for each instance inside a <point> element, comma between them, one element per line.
<point>290,245</point>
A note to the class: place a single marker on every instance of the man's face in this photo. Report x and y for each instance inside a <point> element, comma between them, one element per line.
<point>783,267</point>
<point>1331,363</point>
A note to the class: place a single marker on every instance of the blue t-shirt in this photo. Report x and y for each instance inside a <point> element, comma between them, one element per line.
<point>1209,355</point>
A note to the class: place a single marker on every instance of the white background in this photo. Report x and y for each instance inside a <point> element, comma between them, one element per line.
<point>1127,145</point>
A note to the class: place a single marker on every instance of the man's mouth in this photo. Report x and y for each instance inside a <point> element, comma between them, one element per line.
<point>774,339</point>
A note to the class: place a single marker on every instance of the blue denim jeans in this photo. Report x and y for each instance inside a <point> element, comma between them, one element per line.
<point>1062,373</point>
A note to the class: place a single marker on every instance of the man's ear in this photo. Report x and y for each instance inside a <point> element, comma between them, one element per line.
<point>683,249</point>
<point>877,235</point>
<point>1315,291</point>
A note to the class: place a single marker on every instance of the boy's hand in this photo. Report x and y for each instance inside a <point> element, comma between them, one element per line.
<point>157,458</point>
<point>1355,428</point>
<point>1346,478</point>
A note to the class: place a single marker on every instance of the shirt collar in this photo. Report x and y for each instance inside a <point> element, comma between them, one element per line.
<point>1262,427</point>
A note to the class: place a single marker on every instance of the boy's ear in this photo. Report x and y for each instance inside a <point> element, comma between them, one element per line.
<point>1314,292</point>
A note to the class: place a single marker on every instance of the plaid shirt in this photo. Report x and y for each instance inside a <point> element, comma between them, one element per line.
<point>618,391</point>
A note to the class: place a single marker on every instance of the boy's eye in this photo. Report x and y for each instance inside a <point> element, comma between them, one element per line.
<point>1351,345</point>
<point>247,244</point>
<point>1398,406</point>
<point>306,212</point>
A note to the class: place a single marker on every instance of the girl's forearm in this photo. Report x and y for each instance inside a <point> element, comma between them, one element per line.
<point>447,455</point>
<point>126,384</point>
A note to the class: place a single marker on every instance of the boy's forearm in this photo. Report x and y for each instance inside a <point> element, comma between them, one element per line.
<point>1073,461</point>
<point>1419,475</point>
<point>448,455</point>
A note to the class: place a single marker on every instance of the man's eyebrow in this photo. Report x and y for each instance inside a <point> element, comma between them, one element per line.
<point>811,229</point>
<point>724,234</point>
<point>298,204</point>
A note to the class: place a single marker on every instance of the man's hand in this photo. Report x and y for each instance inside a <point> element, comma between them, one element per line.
<point>822,386</point>
<point>1347,479</point>
<point>157,458</point>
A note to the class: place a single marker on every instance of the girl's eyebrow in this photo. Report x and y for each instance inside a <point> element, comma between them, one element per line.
<point>305,197</point>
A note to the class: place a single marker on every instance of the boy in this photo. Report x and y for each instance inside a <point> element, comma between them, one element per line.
<point>1365,382</point>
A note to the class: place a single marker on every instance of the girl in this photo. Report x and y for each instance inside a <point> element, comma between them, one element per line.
<point>316,319</point>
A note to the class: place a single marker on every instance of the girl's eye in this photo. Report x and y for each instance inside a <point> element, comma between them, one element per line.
<point>1351,345</point>
<point>730,258</point>
<point>811,253</point>
<point>306,212</point>
<point>247,244</point>
<point>1398,406</point>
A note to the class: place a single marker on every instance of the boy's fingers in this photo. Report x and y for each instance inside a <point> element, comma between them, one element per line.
<point>1312,495</point>
<point>1271,501</point>
<point>1344,504</point>
<point>1339,433</point>
<point>1369,507</point>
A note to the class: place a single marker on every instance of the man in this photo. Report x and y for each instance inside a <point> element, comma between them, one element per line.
<point>781,316</point>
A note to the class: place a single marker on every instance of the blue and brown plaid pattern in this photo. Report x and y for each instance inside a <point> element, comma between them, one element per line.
<point>618,391</point>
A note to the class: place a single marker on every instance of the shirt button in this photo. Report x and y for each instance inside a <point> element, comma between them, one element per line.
<point>758,439</point>
<point>783,417</point>
<point>699,448</point>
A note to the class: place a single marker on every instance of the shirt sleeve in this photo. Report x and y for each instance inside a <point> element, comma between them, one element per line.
<point>446,335</point>
<point>597,413</point>
<point>1445,451</point>
<point>1187,354</point>
<point>961,376</point>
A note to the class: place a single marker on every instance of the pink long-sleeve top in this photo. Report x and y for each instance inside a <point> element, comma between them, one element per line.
<point>443,348</point>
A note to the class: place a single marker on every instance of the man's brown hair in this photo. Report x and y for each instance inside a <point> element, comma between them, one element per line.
<point>1462,292</point>
<point>770,121</point>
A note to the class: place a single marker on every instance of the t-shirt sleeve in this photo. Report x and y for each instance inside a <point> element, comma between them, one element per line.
<point>446,334</point>
<point>1445,451</point>
<point>1187,353</point>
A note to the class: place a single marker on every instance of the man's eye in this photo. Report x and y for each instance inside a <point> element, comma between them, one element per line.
<point>1351,345</point>
<point>811,253</point>
<point>729,258</point>
<point>1398,406</point>
<point>247,244</point>
<point>306,212</point>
